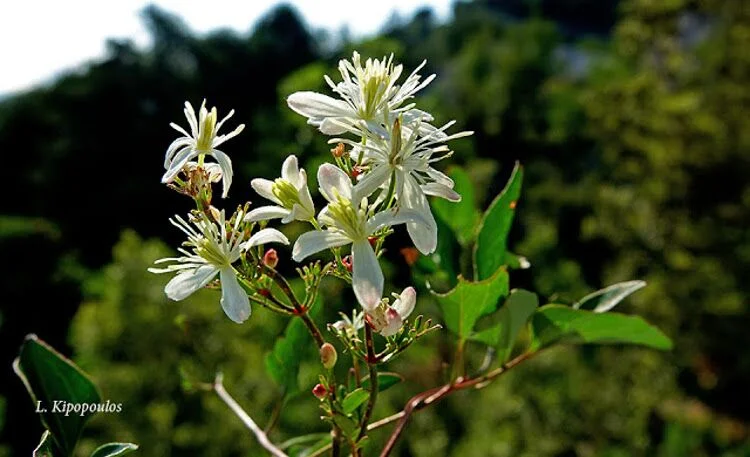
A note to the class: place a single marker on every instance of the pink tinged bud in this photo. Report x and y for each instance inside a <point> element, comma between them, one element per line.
<point>328,355</point>
<point>347,261</point>
<point>394,322</point>
<point>319,391</point>
<point>271,258</point>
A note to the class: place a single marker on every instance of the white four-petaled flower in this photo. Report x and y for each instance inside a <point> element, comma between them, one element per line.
<point>200,142</point>
<point>401,153</point>
<point>368,93</point>
<point>385,319</point>
<point>214,250</point>
<point>290,193</point>
<point>348,223</point>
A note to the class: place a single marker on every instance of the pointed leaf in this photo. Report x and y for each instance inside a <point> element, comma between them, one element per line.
<point>114,449</point>
<point>312,449</point>
<point>489,336</point>
<point>283,362</point>
<point>385,381</point>
<point>463,305</point>
<point>312,438</point>
<point>461,216</point>
<point>50,377</point>
<point>556,323</point>
<point>516,312</point>
<point>491,248</point>
<point>605,299</point>
<point>353,399</point>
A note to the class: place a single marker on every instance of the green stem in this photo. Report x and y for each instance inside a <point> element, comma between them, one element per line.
<point>458,369</point>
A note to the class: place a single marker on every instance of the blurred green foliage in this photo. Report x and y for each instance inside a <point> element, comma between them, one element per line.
<point>632,130</point>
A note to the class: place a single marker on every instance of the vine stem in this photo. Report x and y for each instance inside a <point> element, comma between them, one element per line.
<point>260,435</point>
<point>428,397</point>
<point>372,368</point>
<point>431,396</point>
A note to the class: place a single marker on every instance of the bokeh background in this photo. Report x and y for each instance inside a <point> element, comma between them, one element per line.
<point>630,117</point>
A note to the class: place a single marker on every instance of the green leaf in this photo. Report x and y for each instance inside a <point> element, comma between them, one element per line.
<point>463,305</point>
<point>516,312</point>
<point>491,248</point>
<point>310,450</point>
<point>447,251</point>
<point>605,299</point>
<point>50,377</point>
<point>489,336</point>
<point>386,380</point>
<point>556,323</point>
<point>283,362</point>
<point>353,399</point>
<point>46,446</point>
<point>461,216</point>
<point>114,449</point>
<point>304,440</point>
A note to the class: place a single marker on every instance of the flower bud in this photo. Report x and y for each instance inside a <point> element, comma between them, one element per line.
<point>328,355</point>
<point>356,171</point>
<point>271,258</point>
<point>347,261</point>
<point>319,391</point>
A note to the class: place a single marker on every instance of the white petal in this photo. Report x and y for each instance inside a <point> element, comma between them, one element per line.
<point>370,182</point>
<point>234,300</point>
<point>299,213</point>
<point>264,188</point>
<point>394,217</point>
<point>290,171</point>
<point>311,242</point>
<point>441,190</point>
<point>265,213</point>
<point>405,302</point>
<point>305,198</point>
<point>313,104</point>
<point>226,170</point>
<point>367,278</point>
<point>394,323</point>
<point>422,232</point>
<point>331,177</point>
<point>187,282</point>
<point>265,236</point>
<point>440,177</point>
<point>176,145</point>
<point>179,161</point>
<point>333,126</point>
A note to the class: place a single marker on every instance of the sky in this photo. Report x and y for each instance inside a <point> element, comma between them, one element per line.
<point>40,38</point>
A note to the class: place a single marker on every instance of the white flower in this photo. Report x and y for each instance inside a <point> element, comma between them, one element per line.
<point>384,319</point>
<point>213,252</point>
<point>401,153</point>
<point>349,326</point>
<point>350,224</point>
<point>202,141</point>
<point>367,94</point>
<point>290,192</point>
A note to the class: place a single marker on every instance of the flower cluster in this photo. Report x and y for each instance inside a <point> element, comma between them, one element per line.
<point>384,171</point>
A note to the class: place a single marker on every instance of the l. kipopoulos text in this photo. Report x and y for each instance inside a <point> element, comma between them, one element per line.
<point>67,408</point>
